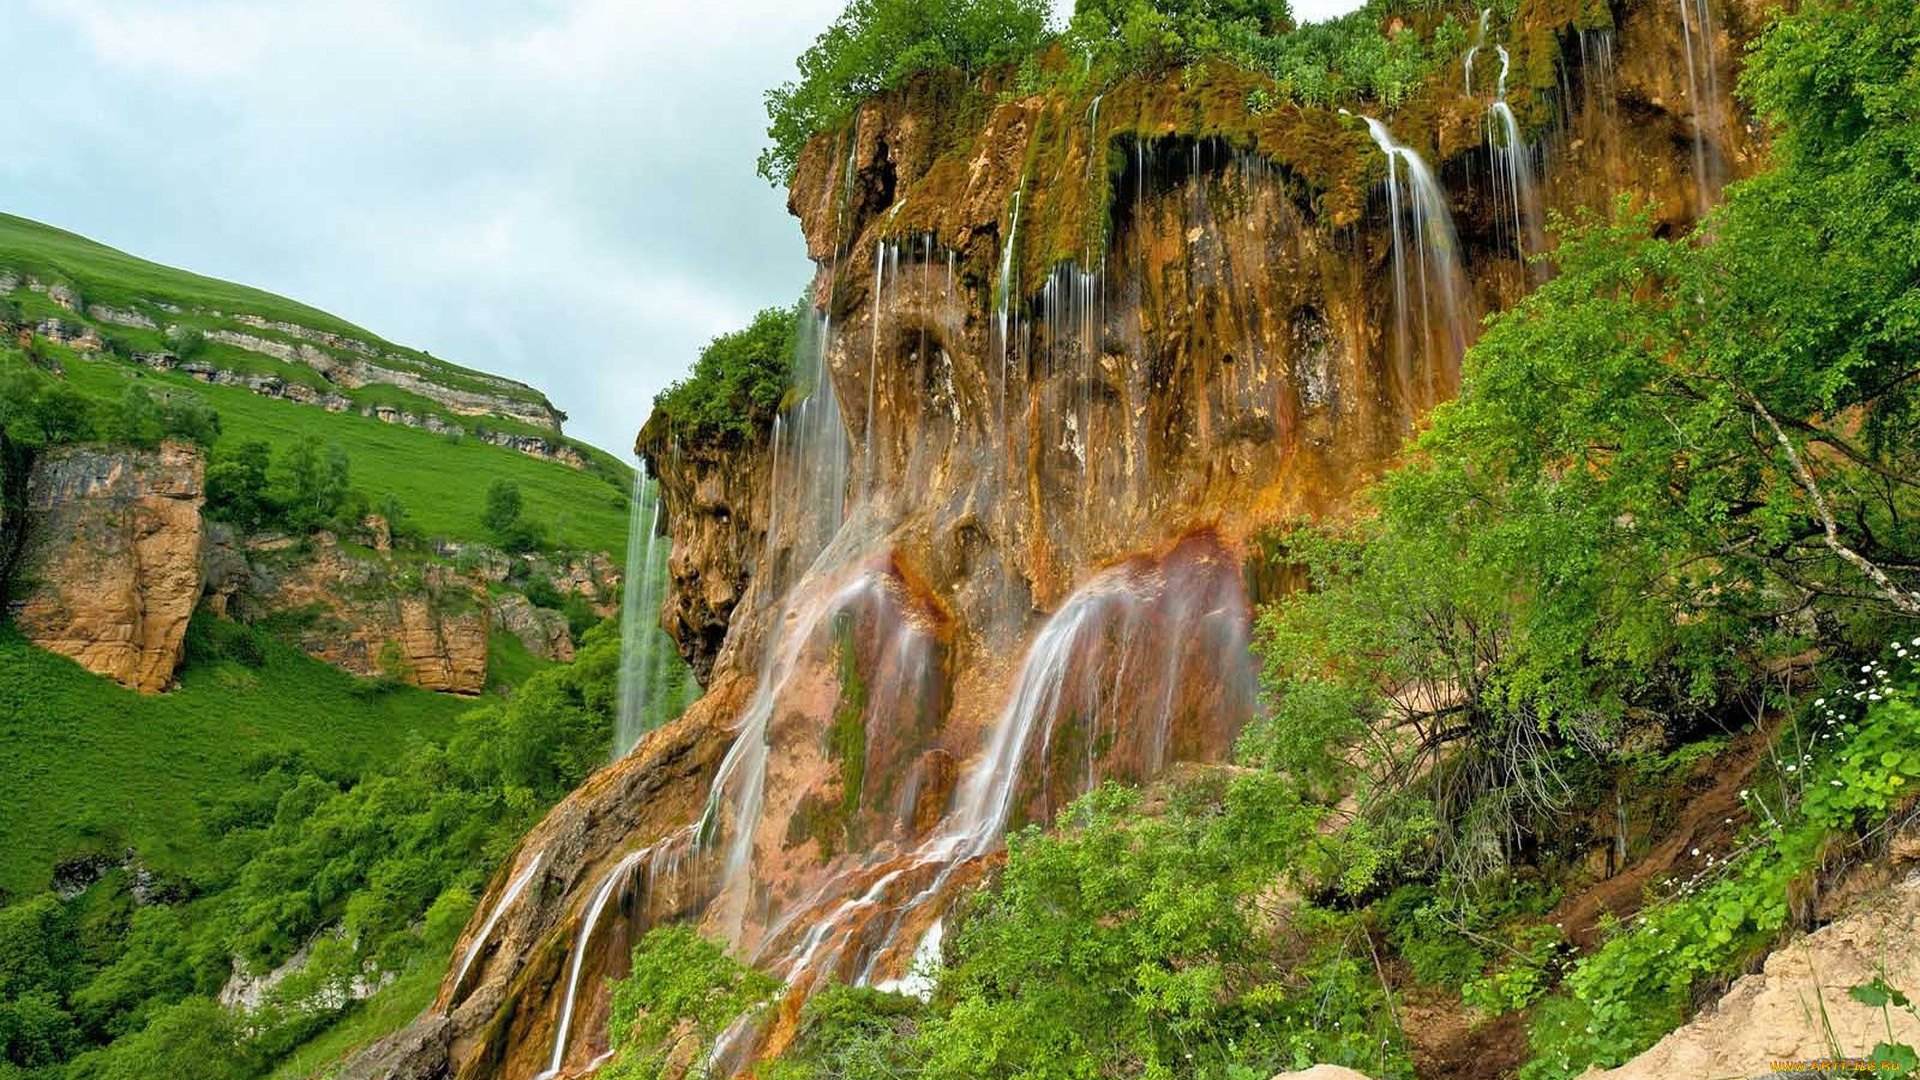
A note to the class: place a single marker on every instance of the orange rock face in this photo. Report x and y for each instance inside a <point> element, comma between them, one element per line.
<point>367,618</point>
<point>1071,360</point>
<point>112,562</point>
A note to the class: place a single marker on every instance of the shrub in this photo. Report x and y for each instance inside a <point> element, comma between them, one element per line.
<point>683,988</point>
<point>737,383</point>
<point>877,44</point>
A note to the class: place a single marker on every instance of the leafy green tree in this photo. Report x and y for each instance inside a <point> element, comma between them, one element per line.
<point>19,395</point>
<point>1151,34</point>
<point>61,414</point>
<point>316,482</point>
<point>877,44</point>
<point>684,990</point>
<point>188,418</point>
<point>737,383</point>
<point>504,506</point>
<point>238,489</point>
<point>504,517</point>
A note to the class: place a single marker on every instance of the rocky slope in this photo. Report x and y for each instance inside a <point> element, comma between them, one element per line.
<point>1797,1007</point>
<point>1074,358</point>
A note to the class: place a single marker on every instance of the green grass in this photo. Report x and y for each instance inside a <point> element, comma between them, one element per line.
<point>441,482</point>
<point>105,275</point>
<point>509,664</point>
<point>85,762</point>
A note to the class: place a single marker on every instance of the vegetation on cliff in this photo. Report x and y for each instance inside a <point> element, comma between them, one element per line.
<point>737,383</point>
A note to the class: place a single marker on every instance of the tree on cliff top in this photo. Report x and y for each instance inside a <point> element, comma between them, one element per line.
<point>875,45</point>
<point>737,383</point>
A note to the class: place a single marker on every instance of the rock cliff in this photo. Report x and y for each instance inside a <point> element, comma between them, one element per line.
<point>1071,358</point>
<point>112,569</point>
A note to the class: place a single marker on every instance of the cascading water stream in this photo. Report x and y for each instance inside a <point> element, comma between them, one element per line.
<point>649,695</point>
<point>1130,639</point>
<point>512,893</point>
<point>1703,93</point>
<point>1443,317</point>
<point>1514,193</point>
<point>1479,37</point>
<point>616,879</point>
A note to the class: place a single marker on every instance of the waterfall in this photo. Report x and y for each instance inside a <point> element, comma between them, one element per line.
<point>1514,196</point>
<point>514,889</point>
<point>1111,666</point>
<point>650,692</point>
<point>644,871</point>
<point>1418,207</point>
<point>1479,37</point>
<point>809,477</point>
<point>617,878</point>
<point>1703,94</point>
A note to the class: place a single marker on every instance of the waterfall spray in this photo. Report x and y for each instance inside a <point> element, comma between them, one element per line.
<point>649,692</point>
<point>1514,194</point>
<point>1441,292</point>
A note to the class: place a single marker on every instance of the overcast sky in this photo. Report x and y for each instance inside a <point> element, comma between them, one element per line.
<point>561,191</point>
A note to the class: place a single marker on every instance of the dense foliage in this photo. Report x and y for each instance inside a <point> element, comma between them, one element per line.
<point>877,44</point>
<point>682,994</point>
<point>371,873</point>
<point>737,383</point>
<point>1369,55</point>
<point>1676,463</point>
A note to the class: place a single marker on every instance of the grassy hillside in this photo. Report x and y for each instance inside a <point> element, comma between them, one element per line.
<point>440,478</point>
<point>441,481</point>
<point>109,276</point>
<point>143,771</point>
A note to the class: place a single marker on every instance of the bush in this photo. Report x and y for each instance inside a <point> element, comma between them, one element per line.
<point>877,44</point>
<point>504,518</point>
<point>1148,35</point>
<point>683,988</point>
<point>737,383</point>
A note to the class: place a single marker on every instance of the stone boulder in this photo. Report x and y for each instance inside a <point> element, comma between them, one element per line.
<point>543,631</point>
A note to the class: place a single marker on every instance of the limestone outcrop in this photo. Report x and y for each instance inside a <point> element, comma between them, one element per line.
<point>112,569</point>
<point>425,625</point>
<point>543,631</point>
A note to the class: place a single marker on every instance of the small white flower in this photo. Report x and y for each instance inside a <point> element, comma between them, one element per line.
<point>1835,783</point>
<point>1743,793</point>
<point>1793,768</point>
<point>1696,852</point>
